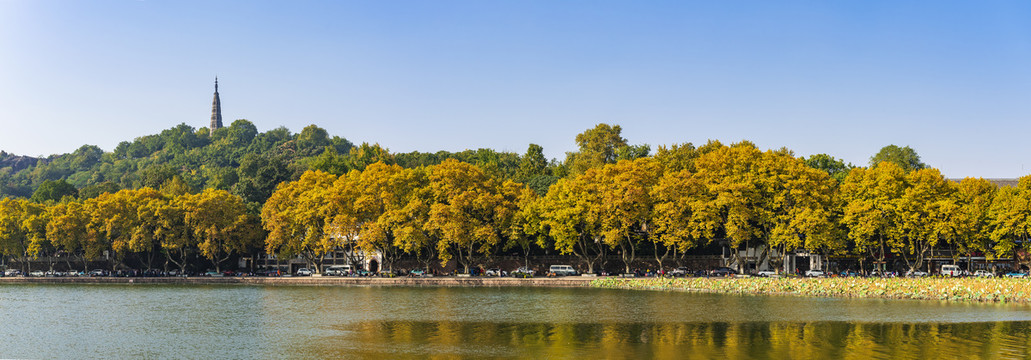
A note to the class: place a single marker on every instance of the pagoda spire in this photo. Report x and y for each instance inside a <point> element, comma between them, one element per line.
<point>216,110</point>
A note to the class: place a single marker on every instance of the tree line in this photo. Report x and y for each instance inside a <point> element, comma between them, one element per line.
<point>149,225</point>
<point>607,199</point>
<point>679,199</point>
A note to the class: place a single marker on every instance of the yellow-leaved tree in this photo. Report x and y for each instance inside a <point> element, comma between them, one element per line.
<point>67,230</point>
<point>469,212</point>
<point>683,218</point>
<point>570,213</point>
<point>738,198</point>
<point>1010,215</point>
<point>220,223</point>
<point>972,222</point>
<point>389,225</point>
<point>870,199</point>
<point>800,203</point>
<point>926,210</point>
<point>626,205</point>
<point>22,223</point>
<point>296,219</point>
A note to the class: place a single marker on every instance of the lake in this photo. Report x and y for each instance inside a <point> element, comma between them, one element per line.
<point>235,321</point>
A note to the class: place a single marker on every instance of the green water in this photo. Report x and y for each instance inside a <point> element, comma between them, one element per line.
<point>243,322</point>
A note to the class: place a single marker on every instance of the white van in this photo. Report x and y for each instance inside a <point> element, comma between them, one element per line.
<point>951,270</point>
<point>338,270</point>
<point>562,270</point>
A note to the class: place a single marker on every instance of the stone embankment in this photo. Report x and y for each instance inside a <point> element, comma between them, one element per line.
<point>572,281</point>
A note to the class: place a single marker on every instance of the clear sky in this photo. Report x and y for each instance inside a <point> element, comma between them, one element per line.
<point>952,79</point>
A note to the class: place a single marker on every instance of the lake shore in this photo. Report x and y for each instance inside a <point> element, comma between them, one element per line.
<point>444,281</point>
<point>984,290</point>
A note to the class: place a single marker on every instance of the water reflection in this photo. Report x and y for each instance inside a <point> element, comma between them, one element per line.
<point>232,322</point>
<point>819,340</point>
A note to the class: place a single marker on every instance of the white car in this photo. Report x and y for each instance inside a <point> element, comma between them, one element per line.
<point>983,273</point>
<point>767,273</point>
<point>522,271</point>
<point>916,273</point>
<point>815,273</point>
<point>304,272</point>
<point>680,271</point>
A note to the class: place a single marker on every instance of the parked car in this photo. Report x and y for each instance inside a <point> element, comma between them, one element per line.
<point>983,273</point>
<point>493,272</point>
<point>304,272</point>
<point>37,273</point>
<point>1016,274</point>
<point>417,273</point>
<point>561,270</point>
<point>680,271</point>
<point>916,273</point>
<point>951,270</point>
<point>98,272</point>
<point>13,272</point>
<point>723,271</point>
<point>815,273</point>
<point>766,273</point>
<point>523,271</point>
<point>337,270</point>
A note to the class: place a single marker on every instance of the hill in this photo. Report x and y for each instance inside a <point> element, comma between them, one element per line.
<point>236,158</point>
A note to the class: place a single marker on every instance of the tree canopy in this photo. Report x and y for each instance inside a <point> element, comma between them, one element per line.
<point>905,157</point>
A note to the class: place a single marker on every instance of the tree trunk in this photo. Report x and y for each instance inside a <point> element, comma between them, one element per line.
<point>659,259</point>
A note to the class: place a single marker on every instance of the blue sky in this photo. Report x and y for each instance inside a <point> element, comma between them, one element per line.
<point>949,78</point>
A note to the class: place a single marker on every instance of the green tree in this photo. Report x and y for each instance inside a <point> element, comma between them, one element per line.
<point>632,152</point>
<point>366,154</point>
<point>836,168</point>
<point>331,162</point>
<point>905,157</point>
<point>54,191</point>
<point>532,164</point>
<point>677,157</point>
<point>598,146</point>
<point>93,191</point>
<point>312,140</point>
